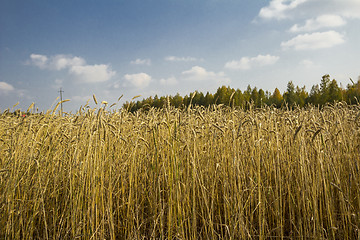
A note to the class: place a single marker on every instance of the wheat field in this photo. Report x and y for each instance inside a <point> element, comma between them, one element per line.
<point>195,173</point>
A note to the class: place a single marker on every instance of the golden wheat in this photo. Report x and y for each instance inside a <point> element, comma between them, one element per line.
<point>198,173</point>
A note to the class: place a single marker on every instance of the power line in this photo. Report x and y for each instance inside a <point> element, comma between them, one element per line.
<point>61,106</point>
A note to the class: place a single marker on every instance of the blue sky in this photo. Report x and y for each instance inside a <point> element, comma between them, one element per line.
<point>147,47</point>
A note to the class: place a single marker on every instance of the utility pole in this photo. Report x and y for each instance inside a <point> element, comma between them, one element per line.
<point>61,91</point>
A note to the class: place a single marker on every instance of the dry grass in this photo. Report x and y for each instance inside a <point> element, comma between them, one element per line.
<point>182,174</point>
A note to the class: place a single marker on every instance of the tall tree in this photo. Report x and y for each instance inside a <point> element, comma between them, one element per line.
<point>301,96</point>
<point>290,95</point>
<point>324,89</point>
<point>276,98</point>
<point>238,98</point>
<point>261,98</point>
<point>222,95</point>
<point>325,80</point>
<point>353,92</point>
<point>209,99</point>
<point>334,92</point>
<point>315,95</point>
<point>255,97</point>
<point>247,94</point>
<point>176,101</point>
<point>199,99</point>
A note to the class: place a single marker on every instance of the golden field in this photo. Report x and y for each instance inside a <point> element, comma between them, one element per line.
<point>196,173</point>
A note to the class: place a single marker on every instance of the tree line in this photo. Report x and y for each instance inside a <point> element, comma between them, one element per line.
<point>328,91</point>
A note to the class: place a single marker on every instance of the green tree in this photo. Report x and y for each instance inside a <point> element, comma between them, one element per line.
<point>290,95</point>
<point>209,99</point>
<point>255,97</point>
<point>222,95</point>
<point>176,101</point>
<point>186,101</point>
<point>276,98</point>
<point>301,96</point>
<point>334,91</point>
<point>149,102</point>
<point>353,92</point>
<point>247,94</point>
<point>156,102</point>
<point>261,98</point>
<point>325,80</point>
<point>198,99</point>
<point>324,89</point>
<point>238,98</point>
<point>267,97</point>
<point>315,95</point>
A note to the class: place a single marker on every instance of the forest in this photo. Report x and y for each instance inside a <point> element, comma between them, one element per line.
<point>328,91</point>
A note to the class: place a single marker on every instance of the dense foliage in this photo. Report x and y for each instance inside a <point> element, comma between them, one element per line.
<point>327,92</point>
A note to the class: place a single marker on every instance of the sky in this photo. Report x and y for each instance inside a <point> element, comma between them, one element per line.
<point>163,47</point>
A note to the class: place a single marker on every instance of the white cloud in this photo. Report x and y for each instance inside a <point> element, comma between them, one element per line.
<point>141,62</point>
<point>39,60</point>
<point>168,81</point>
<point>60,62</point>
<point>180,59</point>
<point>57,62</point>
<point>246,63</point>
<point>345,8</point>
<point>285,9</point>
<point>200,74</point>
<point>139,80</point>
<point>242,64</point>
<point>197,73</point>
<point>76,66</point>
<point>313,41</point>
<point>323,21</point>
<point>279,9</point>
<point>92,73</point>
<point>6,87</point>
<point>263,60</point>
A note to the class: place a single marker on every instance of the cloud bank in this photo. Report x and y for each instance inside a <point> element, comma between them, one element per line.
<point>318,14</point>
<point>246,63</point>
<point>323,21</point>
<point>140,61</point>
<point>286,9</point>
<point>279,9</point>
<point>317,40</point>
<point>138,80</point>
<point>200,74</point>
<point>76,66</point>
<point>180,59</point>
<point>6,87</point>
